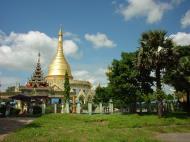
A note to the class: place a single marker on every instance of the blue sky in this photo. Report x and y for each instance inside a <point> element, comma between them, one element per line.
<point>96,32</point>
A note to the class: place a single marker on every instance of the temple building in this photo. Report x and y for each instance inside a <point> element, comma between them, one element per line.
<point>56,75</point>
<point>51,86</point>
<point>36,85</point>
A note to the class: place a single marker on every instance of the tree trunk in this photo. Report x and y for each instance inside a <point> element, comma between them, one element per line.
<point>159,87</point>
<point>158,79</point>
<point>140,107</point>
<point>160,108</point>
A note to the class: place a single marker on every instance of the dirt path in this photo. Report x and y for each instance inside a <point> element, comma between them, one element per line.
<point>174,137</point>
<point>8,125</point>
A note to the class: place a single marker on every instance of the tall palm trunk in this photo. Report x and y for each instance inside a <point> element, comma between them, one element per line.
<point>158,79</point>
<point>159,87</point>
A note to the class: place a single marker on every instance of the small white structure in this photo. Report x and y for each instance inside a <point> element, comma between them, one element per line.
<point>55,108</point>
<point>67,107</point>
<point>62,108</point>
<point>111,106</point>
<point>90,108</point>
<point>43,108</point>
<point>101,108</point>
<point>78,107</point>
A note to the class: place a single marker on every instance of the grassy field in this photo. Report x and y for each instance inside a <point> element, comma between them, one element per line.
<point>96,128</point>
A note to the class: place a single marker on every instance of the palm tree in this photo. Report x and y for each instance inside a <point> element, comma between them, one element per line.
<point>155,55</point>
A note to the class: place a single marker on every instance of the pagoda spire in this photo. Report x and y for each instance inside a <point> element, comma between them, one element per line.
<point>60,41</point>
<point>39,57</point>
<point>37,79</point>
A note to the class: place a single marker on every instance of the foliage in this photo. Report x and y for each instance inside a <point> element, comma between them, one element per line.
<point>85,106</point>
<point>178,74</point>
<point>160,95</point>
<point>10,89</point>
<point>169,97</point>
<point>14,111</point>
<point>103,94</point>
<point>2,110</point>
<point>67,87</point>
<point>37,110</point>
<point>112,128</point>
<point>155,53</point>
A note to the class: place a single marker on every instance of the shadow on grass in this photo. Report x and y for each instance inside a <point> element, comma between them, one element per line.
<point>33,125</point>
<point>141,114</point>
<point>180,115</point>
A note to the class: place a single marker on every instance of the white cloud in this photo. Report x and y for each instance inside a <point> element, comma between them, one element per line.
<point>73,36</point>
<point>100,40</point>
<point>181,38</point>
<point>18,51</point>
<point>95,78</point>
<point>185,21</point>
<point>151,9</point>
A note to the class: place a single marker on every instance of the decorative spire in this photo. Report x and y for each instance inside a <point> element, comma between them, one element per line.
<point>60,41</point>
<point>39,57</point>
<point>37,79</point>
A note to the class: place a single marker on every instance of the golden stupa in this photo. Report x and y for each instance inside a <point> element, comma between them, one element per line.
<point>59,64</point>
<point>57,69</point>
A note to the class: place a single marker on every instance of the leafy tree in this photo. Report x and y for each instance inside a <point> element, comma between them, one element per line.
<point>67,87</point>
<point>10,89</point>
<point>155,55</point>
<point>123,80</point>
<point>178,74</point>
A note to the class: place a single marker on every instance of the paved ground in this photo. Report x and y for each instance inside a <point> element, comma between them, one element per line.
<point>174,137</point>
<point>8,125</point>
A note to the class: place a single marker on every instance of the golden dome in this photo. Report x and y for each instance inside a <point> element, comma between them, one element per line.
<point>59,64</point>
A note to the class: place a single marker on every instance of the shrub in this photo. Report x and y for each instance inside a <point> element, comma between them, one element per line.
<point>2,110</point>
<point>37,110</point>
<point>14,111</point>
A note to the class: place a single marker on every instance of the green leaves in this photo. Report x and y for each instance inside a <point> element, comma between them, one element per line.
<point>66,87</point>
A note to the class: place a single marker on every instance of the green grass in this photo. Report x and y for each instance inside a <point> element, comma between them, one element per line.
<point>99,128</point>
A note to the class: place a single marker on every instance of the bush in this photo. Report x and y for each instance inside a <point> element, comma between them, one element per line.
<point>85,106</point>
<point>37,110</point>
<point>14,111</point>
<point>49,108</point>
<point>2,110</point>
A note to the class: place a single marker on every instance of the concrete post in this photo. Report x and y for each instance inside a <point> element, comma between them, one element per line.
<point>172,106</point>
<point>74,104</point>
<point>90,108</point>
<point>101,109</point>
<point>62,108</point>
<point>55,108</point>
<point>43,108</point>
<point>67,107</point>
<point>111,106</point>
<point>78,107</point>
